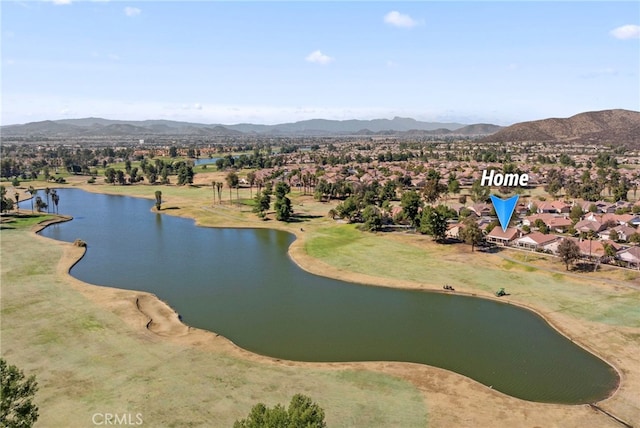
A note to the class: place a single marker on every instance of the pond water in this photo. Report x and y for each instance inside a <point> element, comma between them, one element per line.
<point>204,161</point>
<point>241,284</point>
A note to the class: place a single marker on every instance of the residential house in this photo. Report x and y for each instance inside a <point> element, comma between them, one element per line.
<point>500,237</point>
<point>554,207</point>
<point>623,232</point>
<point>591,248</point>
<point>453,230</point>
<point>535,241</point>
<point>631,256</point>
<point>481,209</point>
<point>559,224</point>
<point>555,222</point>
<point>587,226</point>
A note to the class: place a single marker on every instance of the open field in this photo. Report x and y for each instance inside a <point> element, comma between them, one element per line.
<point>91,351</point>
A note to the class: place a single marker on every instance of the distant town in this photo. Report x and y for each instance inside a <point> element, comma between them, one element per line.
<point>582,191</point>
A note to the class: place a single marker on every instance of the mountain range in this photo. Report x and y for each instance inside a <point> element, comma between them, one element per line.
<point>616,127</point>
<point>315,127</point>
<point>613,127</point>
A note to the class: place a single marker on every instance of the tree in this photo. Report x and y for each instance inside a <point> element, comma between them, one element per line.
<point>40,204</point>
<point>568,251</point>
<point>120,178</point>
<point>434,222</point>
<point>302,412</point>
<point>47,192</point>
<point>17,198</point>
<point>31,192</point>
<point>55,198</point>
<point>16,405</point>
<point>185,174</point>
<point>479,193</point>
<point>614,236</point>
<point>433,188</point>
<point>110,175</point>
<point>349,209</point>
<point>411,205</point>
<point>219,185</point>
<point>158,199</point>
<point>133,175</point>
<point>283,204</point>
<point>609,250</point>
<point>251,178</point>
<point>372,218</point>
<point>6,204</point>
<point>152,173</point>
<point>263,200</point>
<point>576,213</point>
<point>454,186</point>
<point>232,181</point>
<point>620,190</point>
<point>164,174</point>
<point>555,181</point>
<point>471,233</point>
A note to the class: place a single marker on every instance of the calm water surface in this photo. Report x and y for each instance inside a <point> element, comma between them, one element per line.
<point>241,283</point>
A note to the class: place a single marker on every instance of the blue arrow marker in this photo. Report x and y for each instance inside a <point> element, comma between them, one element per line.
<point>504,209</point>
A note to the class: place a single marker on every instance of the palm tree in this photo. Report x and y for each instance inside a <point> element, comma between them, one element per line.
<point>232,181</point>
<point>158,199</point>
<point>55,198</point>
<point>213,185</point>
<point>17,197</point>
<point>40,204</point>
<point>251,177</point>
<point>32,192</point>
<point>47,191</point>
<point>219,185</point>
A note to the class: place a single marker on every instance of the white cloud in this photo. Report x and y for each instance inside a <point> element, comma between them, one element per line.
<point>61,2</point>
<point>132,11</point>
<point>318,57</point>
<point>401,20</point>
<point>11,61</point>
<point>114,57</point>
<point>626,32</point>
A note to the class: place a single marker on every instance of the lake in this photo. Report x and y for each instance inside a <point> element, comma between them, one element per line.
<point>241,284</point>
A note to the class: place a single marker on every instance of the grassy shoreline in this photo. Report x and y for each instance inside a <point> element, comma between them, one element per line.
<point>313,251</point>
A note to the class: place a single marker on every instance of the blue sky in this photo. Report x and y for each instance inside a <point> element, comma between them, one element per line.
<point>271,62</point>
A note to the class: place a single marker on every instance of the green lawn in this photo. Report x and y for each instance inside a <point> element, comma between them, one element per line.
<point>345,247</point>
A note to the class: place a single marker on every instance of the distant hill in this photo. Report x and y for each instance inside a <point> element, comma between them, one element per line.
<point>603,127</point>
<point>94,126</point>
